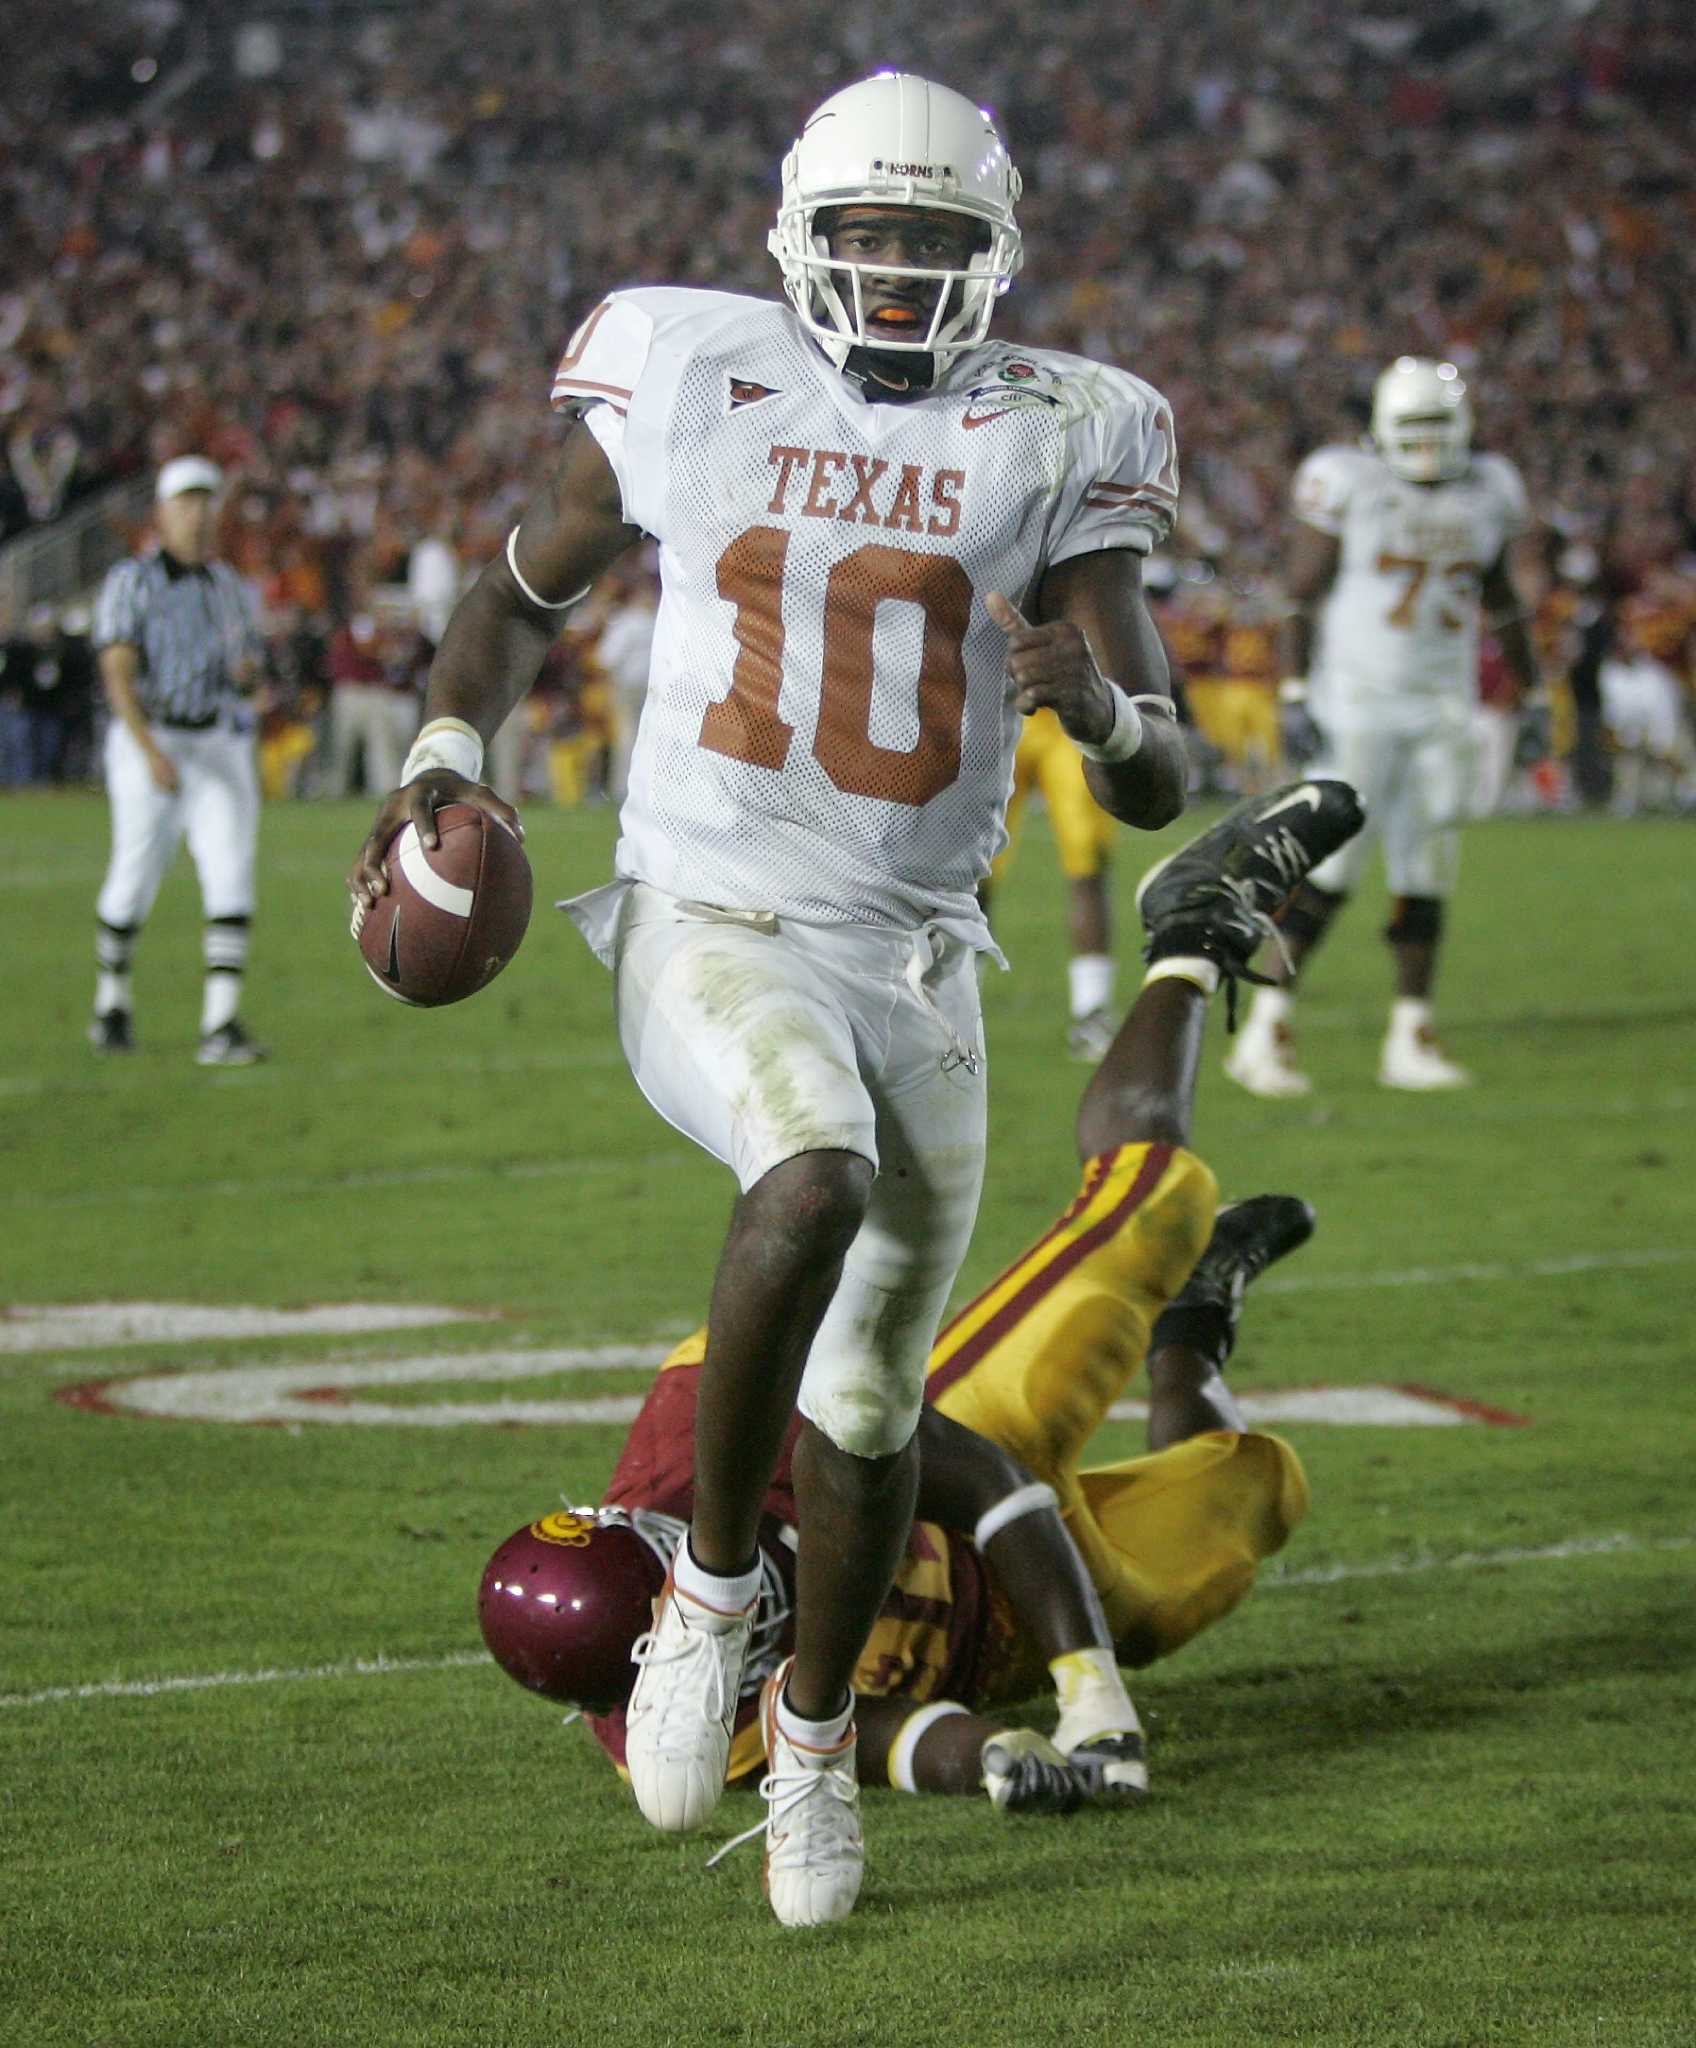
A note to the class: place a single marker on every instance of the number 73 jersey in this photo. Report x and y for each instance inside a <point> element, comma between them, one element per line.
<point>829,730</point>
<point>1398,631</point>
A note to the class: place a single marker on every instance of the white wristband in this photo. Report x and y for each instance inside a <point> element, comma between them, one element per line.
<point>907,1740</point>
<point>1023,1500</point>
<point>1126,736</point>
<point>446,743</point>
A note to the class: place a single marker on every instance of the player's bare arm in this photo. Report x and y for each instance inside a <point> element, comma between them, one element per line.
<point>1092,635</point>
<point>1505,613</point>
<point>1310,568</point>
<point>120,665</point>
<point>499,634</point>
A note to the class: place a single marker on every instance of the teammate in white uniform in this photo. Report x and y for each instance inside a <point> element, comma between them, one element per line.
<point>1400,544</point>
<point>858,501</point>
<point>179,646</point>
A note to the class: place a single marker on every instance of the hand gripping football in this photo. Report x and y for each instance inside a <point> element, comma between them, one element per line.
<point>453,915</point>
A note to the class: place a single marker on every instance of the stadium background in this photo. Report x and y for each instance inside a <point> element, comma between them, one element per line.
<point>338,247</point>
<point>1429,1788</point>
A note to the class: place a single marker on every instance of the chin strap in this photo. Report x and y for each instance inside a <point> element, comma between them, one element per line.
<point>895,377</point>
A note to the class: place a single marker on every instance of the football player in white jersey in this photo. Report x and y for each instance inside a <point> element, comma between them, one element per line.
<point>1400,545</point>
<point>884,539</point>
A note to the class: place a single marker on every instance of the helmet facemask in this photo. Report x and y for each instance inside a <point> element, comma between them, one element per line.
<point>829,292</point>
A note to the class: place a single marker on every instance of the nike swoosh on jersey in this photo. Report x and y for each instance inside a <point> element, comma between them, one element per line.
<point>1307,794</point>
<point>982,419</point>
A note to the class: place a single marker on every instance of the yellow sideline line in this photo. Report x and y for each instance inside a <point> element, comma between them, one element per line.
<point>1575,1548</point>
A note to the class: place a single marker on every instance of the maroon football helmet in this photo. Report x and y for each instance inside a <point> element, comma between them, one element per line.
<point>562,1601</point>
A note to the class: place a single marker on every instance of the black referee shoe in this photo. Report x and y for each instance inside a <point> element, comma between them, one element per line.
<point>1215,897</point>
<point>229,1046</point>
<point>111,1031</point>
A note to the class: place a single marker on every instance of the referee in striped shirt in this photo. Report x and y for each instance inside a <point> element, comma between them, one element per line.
<point>179,647</point>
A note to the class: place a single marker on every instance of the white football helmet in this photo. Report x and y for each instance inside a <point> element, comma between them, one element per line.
<point>1421,420</point>
<point>902,141</point>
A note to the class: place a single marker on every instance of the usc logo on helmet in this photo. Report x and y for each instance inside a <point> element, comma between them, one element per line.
<point>564,1526</point>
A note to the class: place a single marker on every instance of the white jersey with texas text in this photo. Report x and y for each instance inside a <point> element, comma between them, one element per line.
<point>829,730</point>
<point>1397,643</point>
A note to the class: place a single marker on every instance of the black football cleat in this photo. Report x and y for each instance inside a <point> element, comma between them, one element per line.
<point>1248,1236</point>
<point>112,1031</point>
<point>1112,1769</point>
<point>1216,896</point>
<point>229,1046</point>
<point>1024,1773</point>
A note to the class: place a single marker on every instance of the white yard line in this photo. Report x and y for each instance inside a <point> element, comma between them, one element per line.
<point>1574,1550</point>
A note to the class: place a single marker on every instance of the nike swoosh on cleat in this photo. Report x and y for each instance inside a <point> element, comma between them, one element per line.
<point>1307,794</point>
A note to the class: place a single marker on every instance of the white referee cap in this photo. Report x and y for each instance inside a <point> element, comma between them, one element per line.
<point>188,473</point>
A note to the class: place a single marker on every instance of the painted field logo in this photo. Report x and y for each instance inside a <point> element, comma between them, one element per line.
<point>347,1392</point>
<point>562,1526</point>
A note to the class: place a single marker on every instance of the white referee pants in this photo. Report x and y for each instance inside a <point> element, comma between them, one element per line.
<point>762,1039</point>
<point>215,806</point>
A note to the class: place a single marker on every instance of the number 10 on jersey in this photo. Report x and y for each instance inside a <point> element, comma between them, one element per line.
<point>747,726</point>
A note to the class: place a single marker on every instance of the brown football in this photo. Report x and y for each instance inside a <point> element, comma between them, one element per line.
<point>453,915</point>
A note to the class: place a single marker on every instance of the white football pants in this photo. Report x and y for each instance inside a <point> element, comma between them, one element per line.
<point>762,1039</point>
<point>215,806</point>
<point>1417,789</point>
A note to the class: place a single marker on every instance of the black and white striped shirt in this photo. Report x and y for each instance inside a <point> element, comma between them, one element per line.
<point>193,628</point>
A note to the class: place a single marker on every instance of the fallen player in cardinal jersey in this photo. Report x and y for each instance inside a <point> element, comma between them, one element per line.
<point>1022,1559</point>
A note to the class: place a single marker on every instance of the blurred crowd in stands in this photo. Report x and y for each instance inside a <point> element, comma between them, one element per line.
<point>337,247</point>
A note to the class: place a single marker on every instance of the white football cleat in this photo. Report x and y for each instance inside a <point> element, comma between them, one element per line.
<point>1089,1037</point>
<point>1263,1060</point>
<point>815,1853</point>
<point>683,1708</point>
<point>1415,1060</point>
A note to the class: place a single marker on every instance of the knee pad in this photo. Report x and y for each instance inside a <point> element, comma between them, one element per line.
<point>1415,921</point>
<point>1307,913</point>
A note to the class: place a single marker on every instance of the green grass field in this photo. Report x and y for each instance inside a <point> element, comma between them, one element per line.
<point>1431,1786</point>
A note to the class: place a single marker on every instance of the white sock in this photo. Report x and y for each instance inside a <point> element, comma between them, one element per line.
<point>726,1595</point>
<point>1270,1008</point>
<point>220,998</point>
<point>111,992</point>
<point>1092,1698</point>
<point>1092,983</point>
<point>1409,1015</point>
<point>813,1734</point>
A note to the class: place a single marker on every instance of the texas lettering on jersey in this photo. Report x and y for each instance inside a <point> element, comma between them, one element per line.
<point>828,729</point>
<point>913,500</point>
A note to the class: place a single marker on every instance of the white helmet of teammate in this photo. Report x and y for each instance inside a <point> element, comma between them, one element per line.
<point>896,140</point>
<point>1421,420</point>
